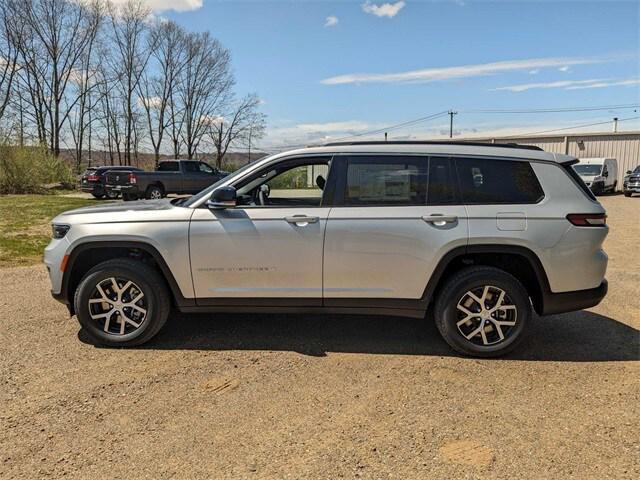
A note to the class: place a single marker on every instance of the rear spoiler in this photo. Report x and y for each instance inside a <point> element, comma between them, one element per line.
<point>565,160</point>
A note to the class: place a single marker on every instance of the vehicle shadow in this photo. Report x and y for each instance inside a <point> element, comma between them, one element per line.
<point>576,337</point>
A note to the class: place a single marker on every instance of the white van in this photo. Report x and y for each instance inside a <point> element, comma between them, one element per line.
<point>600,174</point>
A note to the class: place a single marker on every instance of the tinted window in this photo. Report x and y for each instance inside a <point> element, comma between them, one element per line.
<point>386,180</point>
<point>442,190</point>
<point>497,181</point>
<point>168,167</point>
<point>190,167</point>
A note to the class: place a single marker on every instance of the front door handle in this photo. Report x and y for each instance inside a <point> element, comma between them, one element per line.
<point>301,220</point>
<point>440,220</point>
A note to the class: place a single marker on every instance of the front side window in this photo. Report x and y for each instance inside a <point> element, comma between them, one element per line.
<point>497,182</point>
<point>287,184</point>
<point>190,167</point>
<point>204,168</point>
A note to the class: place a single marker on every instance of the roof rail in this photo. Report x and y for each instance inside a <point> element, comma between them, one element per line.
<point>436,142</point>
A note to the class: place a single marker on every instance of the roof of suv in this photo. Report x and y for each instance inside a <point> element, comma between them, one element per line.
<point>439,148</point>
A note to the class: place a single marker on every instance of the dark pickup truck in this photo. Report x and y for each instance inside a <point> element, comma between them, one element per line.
<point>172,176</point>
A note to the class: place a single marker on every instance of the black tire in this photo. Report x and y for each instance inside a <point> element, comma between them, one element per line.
<point>156,301</point>
<point>447,315</point>
<point>154,192</point>
<point>112,195</point>
<point>128,197</point>
<point>97,195</point>
<point>627,194</point>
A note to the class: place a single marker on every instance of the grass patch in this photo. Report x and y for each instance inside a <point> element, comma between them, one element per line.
<point>25,227</point>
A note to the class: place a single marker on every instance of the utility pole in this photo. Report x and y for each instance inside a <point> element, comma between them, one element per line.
<point>451,114</point>
<point>615,124</point>
<point>385,136</point>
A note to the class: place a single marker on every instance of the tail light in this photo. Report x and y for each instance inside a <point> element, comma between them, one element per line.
<point>588,219</point>
<point>92,177</point>
<point>132,178</point>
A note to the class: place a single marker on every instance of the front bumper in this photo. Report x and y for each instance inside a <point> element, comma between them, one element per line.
<point>571,301</point>
<point>632,187</point>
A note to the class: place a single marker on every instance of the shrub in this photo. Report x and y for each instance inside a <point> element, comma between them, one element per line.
<point>30,169</point>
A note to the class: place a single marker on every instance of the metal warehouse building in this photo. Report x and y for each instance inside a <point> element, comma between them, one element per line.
<point>623,146</point>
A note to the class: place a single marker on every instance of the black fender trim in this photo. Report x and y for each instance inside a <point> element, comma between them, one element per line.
<point>180,300</point>
<point>459,252</point>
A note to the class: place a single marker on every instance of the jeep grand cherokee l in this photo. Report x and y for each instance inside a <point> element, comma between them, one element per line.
<point>479,234</point>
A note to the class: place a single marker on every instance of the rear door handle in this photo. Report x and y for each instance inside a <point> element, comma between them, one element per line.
<point>301,220</point>
<point>440,220</point>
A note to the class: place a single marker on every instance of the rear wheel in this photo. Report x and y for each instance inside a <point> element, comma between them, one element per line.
<point>121,303</point>
<point>627,194</point>
<point>154,192</point>
<point>97,194</point>
<point>112,195</point>
<point>482,311</point>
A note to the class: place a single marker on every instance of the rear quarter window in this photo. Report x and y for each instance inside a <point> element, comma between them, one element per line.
<point>486,181</point>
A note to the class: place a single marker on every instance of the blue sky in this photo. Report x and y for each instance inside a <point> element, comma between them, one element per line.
<point>331,69</point>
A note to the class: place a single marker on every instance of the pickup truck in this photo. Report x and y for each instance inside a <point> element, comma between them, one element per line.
<point>171,176</point>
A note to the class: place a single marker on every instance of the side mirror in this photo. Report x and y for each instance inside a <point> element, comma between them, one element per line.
<point>605,174</point>
<point>628,172</point>
<point>223,197</point>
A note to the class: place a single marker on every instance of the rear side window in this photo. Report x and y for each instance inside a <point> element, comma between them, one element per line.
<point>386,180</point>
<point>576,178</point>
<point>399,180</point>
<point>168,167</point>
<point>484,181</point>
<point>191,167</point>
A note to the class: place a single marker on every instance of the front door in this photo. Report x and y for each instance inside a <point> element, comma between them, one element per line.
<point>270,245</point>
<point>395,216</point>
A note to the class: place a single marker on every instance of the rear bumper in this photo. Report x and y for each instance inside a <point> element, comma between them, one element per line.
<point>571,301</point>
<point>92,188</point>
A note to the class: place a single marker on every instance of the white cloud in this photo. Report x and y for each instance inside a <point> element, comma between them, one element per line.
<point>389,10</point>
<point>620,83</point>
<point>463,71</point>
<point>564,68</point>
<point>164,5</point>
<point>151,102</point>
<point>571,84</point>
<point>557,84</point>
<point>535,71</point>
<point>331,21</point>
<point>315,133</point>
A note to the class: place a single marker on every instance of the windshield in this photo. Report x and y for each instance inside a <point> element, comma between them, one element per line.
<point>637,169</point>
<point>588,170</point>
<point>207,191</point>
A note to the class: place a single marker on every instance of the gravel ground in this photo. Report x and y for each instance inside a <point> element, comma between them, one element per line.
<point>240,396</point>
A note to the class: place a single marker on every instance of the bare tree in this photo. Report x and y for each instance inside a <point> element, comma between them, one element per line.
<point>52,36</point>
<point>166,41</point>
<point>85,80</point>
<point>131,55</point>
<point>204,87</point>
<point>8,53</point>
<point>243,124</point>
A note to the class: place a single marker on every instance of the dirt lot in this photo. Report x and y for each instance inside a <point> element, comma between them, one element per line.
<point>237,396</point>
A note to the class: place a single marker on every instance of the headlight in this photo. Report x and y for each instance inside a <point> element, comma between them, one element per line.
<point>59,231</point>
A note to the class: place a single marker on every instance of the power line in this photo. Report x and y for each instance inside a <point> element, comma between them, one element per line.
<point>556,110</point>
<point>568,128</point>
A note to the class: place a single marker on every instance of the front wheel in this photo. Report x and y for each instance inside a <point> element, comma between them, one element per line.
<point>627,194</point>
<point>482,311</point>
<point>121,303</point>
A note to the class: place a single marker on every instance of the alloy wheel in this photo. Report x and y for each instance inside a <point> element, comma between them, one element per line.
<point>118,306</point>
<point>486,315</point>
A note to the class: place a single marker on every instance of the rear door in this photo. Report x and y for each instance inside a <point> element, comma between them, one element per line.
<point>394,217</point>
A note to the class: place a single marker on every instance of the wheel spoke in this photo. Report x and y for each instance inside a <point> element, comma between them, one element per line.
<point>477,299</point>
<point>135,300</point>
<point>140,309</point>
<point>506,323</point>
<point>124,289</point>
<point>465,311</point>
<point>108,321</point>
<point>102,293</point>
<point>126,319</point>
<point>498,329</point>
<point>474,333</point>
<point>483,333</point>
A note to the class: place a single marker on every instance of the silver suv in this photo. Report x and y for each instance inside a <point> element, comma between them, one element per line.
<point>479,235</point>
